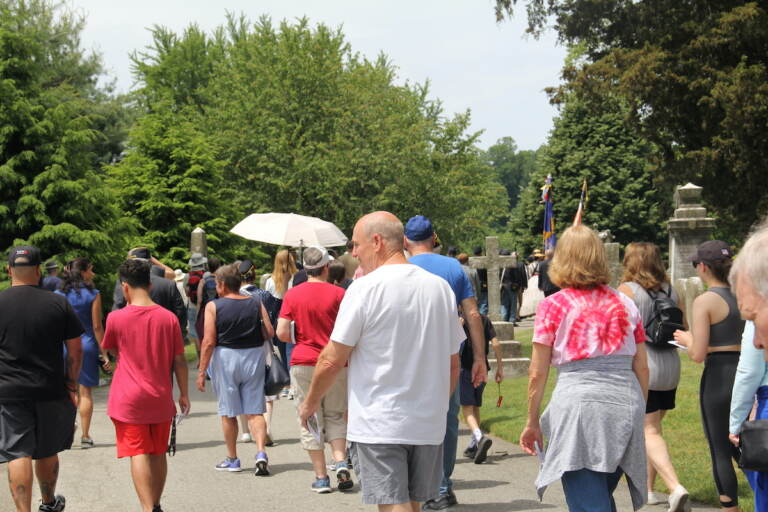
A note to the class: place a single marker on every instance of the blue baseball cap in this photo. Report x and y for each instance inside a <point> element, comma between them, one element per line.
<point>418,228</point>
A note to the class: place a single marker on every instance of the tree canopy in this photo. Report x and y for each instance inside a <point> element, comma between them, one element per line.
<point>694,74</point>
<point>56,129</point>
<point>592,142</point>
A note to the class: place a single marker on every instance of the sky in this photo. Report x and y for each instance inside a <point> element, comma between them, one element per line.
<point>472,62</point>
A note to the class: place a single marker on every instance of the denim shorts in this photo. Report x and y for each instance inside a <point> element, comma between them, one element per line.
<point>237,376</point>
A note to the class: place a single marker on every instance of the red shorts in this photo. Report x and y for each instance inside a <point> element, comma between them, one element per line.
<point>141,439</point>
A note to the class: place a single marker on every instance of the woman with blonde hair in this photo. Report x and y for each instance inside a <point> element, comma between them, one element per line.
<point>277,284</point>
<point>645,280</point>
<point>593,423</point>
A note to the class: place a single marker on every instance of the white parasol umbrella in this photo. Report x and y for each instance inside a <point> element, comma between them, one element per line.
<point>290,230</point>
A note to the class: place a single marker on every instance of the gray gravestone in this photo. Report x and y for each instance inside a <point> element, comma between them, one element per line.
<point>493,263</point>
<point>198,242</point>
<point>613,257</point>
<point>688,227</point>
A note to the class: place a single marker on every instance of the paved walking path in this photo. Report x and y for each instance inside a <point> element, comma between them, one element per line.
<point>95,480</point>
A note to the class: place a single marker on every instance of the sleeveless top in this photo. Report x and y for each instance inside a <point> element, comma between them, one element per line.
<point>238,323</point>
<point>663,363</point>
<point>729,330</point>
<point>81,300</point>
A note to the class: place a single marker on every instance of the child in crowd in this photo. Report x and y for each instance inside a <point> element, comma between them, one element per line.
<point>146,340</point>
<point>471,397</point>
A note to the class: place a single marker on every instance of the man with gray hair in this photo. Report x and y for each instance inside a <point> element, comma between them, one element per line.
<point>399,328</point>
<point>312,309</point>
<point>749,280</point>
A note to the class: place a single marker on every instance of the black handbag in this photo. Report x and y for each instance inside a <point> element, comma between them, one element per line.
<point>753,442</point>
<point>276,377</point>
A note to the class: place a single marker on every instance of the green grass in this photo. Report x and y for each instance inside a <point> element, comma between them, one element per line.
<point>682,427</point>
<point>190,353</point>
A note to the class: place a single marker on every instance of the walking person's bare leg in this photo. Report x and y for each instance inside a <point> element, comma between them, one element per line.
<point>229,427</point>
<point>20,482</point>
<point>339,449</point>
<point>318,463</point>
<point>86,410</point>
<point>159,469</point>
<point>412,506</point>
<point>658,454</point>
<point>141,473</point>
<point>47,473</point>
<point>258,428</point>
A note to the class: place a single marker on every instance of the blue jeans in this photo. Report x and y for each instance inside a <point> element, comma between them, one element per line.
<point>482,302</point>
<point>590,491</point>
<point>450,442</point>
<point>758,480</point>
<point>508,305</point>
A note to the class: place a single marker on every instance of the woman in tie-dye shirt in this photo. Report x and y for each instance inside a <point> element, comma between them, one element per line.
<point>593,424</point>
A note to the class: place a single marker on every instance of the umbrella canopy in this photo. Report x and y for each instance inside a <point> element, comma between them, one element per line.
<point>289,229</point>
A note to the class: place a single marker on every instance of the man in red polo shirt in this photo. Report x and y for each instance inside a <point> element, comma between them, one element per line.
<point>312,308</point>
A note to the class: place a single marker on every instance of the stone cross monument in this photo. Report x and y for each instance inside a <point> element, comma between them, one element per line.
<point>688,227</point>
<point>512,362</point>
<point>493,263</point>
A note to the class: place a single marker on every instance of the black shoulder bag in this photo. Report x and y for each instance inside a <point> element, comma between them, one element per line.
<point>753,442</point>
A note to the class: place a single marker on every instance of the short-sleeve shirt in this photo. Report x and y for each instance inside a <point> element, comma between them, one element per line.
<point>467,353</point>
<point>313,307</point>
<point>34,324</point>
<point>147,339</point>
<point>404,326</point>
<point>449,269</point>
<point>581,324</point>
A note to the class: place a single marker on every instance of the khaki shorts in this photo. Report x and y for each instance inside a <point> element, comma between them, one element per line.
<point>332,414</point>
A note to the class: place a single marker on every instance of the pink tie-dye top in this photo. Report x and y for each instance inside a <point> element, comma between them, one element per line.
<point>579,324</point>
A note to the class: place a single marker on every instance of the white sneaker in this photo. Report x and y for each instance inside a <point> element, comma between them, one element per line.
<point>678,500</point>
<point>657,498</point>
<point>246,438</point>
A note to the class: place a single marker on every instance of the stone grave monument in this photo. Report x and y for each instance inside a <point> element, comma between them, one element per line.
<point>688,227</point>
<point>198,242</point>
<point>493,263</point>
<point>612,254</point>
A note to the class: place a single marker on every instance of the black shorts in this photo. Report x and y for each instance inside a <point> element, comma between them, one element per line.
<point>36,429</point>
<point>468,394</point>
<point>660,401</point>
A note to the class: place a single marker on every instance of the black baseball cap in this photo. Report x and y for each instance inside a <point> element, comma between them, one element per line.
<point>245,266</point>
<point>711,251</point>
<point>24,256</point>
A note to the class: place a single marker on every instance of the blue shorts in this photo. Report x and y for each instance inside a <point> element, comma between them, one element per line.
<point>191,319</point>
<point>468,394</point>
<point>237,376</point>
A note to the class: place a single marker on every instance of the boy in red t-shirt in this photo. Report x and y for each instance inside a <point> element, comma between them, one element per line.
<point>146,340</point>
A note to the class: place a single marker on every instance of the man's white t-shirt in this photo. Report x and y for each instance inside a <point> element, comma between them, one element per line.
<point>404,326</point>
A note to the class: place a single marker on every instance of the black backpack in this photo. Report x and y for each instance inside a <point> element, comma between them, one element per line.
<point>665,319</point>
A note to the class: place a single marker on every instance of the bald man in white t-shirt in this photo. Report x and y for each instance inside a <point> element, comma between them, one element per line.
<point>399,329</point>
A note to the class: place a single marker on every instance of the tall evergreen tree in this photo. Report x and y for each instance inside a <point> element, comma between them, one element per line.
<point>594,143</point>
<point>55,131</point>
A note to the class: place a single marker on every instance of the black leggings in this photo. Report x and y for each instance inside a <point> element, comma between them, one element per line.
<point>715,396</point>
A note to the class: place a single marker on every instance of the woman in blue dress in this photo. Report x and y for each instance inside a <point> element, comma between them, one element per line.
<point>77,287</point>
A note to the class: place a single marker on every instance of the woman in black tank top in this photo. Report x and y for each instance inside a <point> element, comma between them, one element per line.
<point>715,339</point>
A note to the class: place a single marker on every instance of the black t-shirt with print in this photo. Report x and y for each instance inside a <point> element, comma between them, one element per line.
<point>34,323</point>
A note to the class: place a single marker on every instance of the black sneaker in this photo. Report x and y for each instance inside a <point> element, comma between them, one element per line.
<point>57,506</point>
<point>343,477</point>
<point>470,452</point>
<point>441,503</point>
<point>157,508</point>
<point>482,449</point>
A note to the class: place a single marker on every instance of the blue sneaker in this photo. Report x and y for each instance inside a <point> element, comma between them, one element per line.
<point>262,464</point>
<point>231,465</point>
<point>343,476</point>
<point>322,485</point>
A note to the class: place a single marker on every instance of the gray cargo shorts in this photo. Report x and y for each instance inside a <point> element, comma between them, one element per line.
<point>391,474</point>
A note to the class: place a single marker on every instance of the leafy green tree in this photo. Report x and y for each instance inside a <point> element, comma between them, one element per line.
<point>514,167</point>
<point>695,76</point>
<point>594,143</point>
<point>53,135</point>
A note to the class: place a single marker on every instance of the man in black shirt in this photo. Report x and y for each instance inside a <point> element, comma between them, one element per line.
<point>38,388</point>
<point>162,291</point>
<point>545,284</point>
